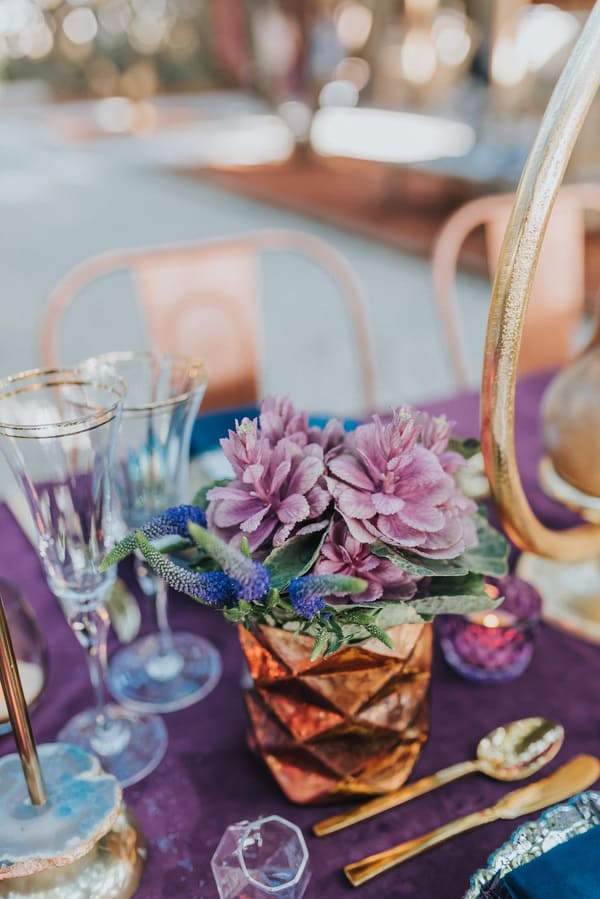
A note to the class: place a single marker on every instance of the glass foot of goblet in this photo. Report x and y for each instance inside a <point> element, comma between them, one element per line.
<point>129,746</point>
<point>144,678</point>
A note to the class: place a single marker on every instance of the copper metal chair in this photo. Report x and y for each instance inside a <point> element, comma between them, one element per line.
<point>203,299</point>
<point>557,298</point>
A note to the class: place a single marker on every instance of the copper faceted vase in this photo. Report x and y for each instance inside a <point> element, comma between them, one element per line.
<point>348,725</point>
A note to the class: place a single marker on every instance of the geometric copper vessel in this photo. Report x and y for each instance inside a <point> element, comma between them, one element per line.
<point>342,727</point>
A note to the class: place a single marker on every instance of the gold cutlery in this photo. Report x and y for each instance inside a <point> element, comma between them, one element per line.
<point>512,752</point>
<point>577,775</point>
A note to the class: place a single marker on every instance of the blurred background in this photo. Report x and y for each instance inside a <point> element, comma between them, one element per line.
<point>366,124</point>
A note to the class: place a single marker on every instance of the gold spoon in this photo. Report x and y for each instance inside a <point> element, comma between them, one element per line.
<point>512,752</point>
<point>578,774</point>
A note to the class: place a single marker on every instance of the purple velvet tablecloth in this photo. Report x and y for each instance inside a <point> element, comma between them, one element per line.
<point>209,779</point>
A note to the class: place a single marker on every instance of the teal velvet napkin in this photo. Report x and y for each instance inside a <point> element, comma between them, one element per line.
<point>569,871</point>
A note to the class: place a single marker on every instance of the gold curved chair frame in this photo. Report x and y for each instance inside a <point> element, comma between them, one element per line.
<point>537,191</point>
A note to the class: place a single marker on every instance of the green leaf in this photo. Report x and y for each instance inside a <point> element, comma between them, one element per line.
<point>469,585</point>
<point>177,545</point>
<point>200,498</point>
<point>466,448</point>
<point>455,596</point>
<point>320,645</point>
<point>341,584</point>
<point>490,556</point>
<point>294,558</point>
<point>431,606</point>
<point>380,635</point>
<point>245,547</point>
<point>419,565</point>
<point>392,614</point>
<point>422,611</point>
<point>234,615</point>
<point>334,644</point>
<point>124,612</point>
<point>336,628</point>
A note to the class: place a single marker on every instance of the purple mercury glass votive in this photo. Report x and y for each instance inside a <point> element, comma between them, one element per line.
<point>494,646</point>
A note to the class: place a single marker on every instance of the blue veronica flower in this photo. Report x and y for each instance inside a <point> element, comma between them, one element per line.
<point>253,578</point>
<point>306,597</point>
<point>307,593</point>
<point>172,522</point>
<point>213,587</point>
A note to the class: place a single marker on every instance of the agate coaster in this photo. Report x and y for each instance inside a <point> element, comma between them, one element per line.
<point>82,842</point>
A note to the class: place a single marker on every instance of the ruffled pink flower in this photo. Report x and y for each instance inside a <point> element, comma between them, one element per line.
<point>276,491</point>
<point>278,418</point>
<point>436,431</point>
<point>343,554</point>
<point>389,486</point>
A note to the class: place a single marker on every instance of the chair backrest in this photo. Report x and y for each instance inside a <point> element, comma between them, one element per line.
<point>557,298</point>
<point>204,299</point>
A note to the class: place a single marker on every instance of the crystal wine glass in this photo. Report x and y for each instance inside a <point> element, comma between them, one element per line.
<point>57,431</point>
<point>164,671</point>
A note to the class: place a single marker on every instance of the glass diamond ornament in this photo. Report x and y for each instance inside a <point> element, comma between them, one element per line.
<point>263,858</point>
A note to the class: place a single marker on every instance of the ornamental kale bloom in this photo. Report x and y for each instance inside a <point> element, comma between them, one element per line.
<point>341,553</point>
<point>278,418</point>
<point>277,490</point>
<point>435,436</point>
<point>389,486</point>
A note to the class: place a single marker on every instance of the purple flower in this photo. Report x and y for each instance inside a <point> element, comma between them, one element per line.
<point>388,486</point>
<point>173,521</point>
<point>277,490</point>
<point>252,578</point>
<point>329,437</point>
<point>306,597</point>
<point>435,435</point>
<point>343,554</point>
<point>307,593</point>
<point>213,587</point>
<point>279,419</point>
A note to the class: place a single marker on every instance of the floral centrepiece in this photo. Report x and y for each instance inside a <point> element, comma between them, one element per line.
<point>326,542</point>
<point>332,534</point>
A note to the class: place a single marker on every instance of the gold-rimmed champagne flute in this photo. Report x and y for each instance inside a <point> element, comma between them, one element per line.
<point>57,431</point>
<point>164,671</point>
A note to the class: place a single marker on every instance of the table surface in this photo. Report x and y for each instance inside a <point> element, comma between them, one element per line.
<point>209,779</point>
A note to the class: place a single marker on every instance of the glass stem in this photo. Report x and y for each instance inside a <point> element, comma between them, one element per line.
<point>90,626</point>
<point>165,637</point>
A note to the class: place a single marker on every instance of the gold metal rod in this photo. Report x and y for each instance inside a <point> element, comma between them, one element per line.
<point>537,191</point>
<point>19,715</point>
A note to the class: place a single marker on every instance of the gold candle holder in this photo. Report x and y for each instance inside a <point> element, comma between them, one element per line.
<point>97,848</point>
<point>537,191</point>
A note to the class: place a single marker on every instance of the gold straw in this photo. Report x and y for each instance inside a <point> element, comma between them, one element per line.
<point>19,715</point>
